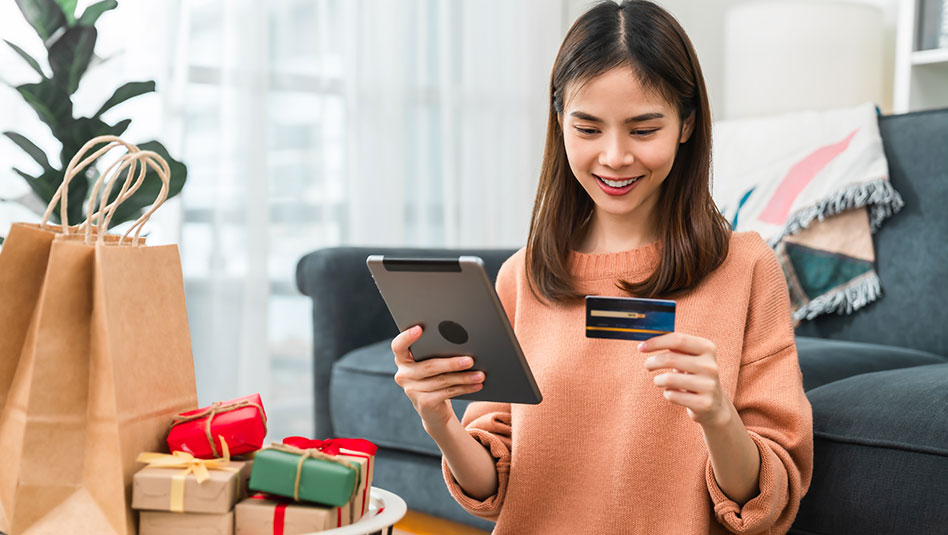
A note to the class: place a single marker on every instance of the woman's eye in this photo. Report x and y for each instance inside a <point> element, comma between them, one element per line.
<point>643,133</point>
<point>587,131</point>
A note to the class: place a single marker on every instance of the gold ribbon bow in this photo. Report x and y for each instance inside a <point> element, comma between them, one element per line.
<point>191,465</point>
<point>314,454</point>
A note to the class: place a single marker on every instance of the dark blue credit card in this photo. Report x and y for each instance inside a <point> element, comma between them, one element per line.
<point>628,318</point>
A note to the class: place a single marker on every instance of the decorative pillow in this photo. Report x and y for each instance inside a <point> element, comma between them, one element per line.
<point>815,185</point>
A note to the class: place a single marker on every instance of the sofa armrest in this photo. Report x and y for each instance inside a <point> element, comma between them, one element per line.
<point>348,311</point>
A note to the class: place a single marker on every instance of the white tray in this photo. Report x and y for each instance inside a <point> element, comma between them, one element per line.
<point>385,509</point>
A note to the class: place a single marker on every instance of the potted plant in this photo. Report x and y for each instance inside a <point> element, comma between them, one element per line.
<point>70,43</point>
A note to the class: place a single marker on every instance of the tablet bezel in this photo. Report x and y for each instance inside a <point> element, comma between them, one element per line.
<point>404,281</point>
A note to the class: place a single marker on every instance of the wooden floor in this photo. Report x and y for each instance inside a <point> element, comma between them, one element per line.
<point>416,523</point>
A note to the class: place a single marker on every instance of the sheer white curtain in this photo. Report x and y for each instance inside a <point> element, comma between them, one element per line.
<point>367,122</point>
<point>314,123</point>
<point>447,112</point>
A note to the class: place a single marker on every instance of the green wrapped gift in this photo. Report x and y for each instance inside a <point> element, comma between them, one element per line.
<point>305,475</point>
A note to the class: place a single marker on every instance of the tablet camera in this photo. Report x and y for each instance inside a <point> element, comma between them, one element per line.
<point>452,332</point>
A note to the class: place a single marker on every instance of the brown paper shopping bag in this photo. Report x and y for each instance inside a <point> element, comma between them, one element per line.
<point>23,259</point>
<point>106,364</point>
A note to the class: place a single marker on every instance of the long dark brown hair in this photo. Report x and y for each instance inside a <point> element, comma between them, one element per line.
<point>694,235</point>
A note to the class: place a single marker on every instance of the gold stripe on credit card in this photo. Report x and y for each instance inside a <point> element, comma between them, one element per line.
<point>615,314</point>
<point>619,329</point>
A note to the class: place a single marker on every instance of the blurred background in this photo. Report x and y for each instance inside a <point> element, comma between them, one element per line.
<point>314,123</point>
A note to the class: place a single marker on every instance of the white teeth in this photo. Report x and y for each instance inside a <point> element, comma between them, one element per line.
<point>618,184</point>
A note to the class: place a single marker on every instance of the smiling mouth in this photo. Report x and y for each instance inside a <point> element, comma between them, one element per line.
<point>618,183</point>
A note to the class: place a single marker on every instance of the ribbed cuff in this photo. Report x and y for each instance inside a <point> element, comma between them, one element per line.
<point>488,508</point>
<point>761,512</point>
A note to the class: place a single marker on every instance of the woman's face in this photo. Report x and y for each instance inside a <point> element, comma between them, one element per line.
<point>621,142</point>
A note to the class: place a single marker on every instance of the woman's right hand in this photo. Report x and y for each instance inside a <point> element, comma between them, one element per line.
<point>430,384</point>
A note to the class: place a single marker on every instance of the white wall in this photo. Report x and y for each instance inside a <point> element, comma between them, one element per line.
<point>704,22</point>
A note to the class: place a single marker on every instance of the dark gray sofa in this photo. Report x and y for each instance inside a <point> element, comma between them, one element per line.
<point>877,379</point>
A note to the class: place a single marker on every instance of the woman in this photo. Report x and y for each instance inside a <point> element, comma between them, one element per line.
<point>704,430</point>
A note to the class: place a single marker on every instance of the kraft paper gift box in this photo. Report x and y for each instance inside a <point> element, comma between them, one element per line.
<point>260,515</point>
<point>355,450</point>
<point>175,487</point>
<point>305,475</point>
<point>241,422</point>
<point>165,523</point>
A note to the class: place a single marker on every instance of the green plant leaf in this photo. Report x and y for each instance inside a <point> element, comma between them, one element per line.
<point>132,207</point>
<point>120,127</point>
<point>29,59</point>
<point>51,103</point>
<point>127,91</point>
<point>69,56</point>
<point>30,148</point>
<point>69,10</point>
<point>45,187</point>
<point>82,130</point>
<point>93,12</point>
<point>45,16</point>
<point>41,185</point>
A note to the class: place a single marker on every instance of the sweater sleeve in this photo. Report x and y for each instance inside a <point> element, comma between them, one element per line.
<point>488,422</point>
<point>774,409</point>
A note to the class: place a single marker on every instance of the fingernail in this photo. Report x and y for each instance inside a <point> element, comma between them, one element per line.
<point>642,346</point>
<point>416,330</point>
<point>467,361</point>
<point>649,361</point>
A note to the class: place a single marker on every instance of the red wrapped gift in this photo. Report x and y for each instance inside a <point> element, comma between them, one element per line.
<point>357,449</point>
<point>241,422</point>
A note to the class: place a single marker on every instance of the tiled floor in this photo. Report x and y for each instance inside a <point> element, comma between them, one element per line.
<point>416,523</point>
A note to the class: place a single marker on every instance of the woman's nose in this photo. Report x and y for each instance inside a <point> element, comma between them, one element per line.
<point>617,153</point>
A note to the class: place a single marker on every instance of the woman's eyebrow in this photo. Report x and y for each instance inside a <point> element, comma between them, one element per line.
<point>637,119</point>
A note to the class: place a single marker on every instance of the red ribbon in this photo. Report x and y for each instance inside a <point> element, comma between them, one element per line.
<point>279,516</point>
<point>279,512</point>
<point>331,446</point>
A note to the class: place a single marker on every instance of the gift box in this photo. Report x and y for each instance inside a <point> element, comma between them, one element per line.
<point>182,483</point>
<point>305,474</point>
<point>241,422</point>
<point>165,523</point>
<point>354,449</point>
<point>261,514</point>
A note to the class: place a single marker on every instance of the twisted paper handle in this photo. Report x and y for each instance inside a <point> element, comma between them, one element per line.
<point>314,454</point>
<point>76,166</point>
<point>130,161</point>
<point>210,412</point>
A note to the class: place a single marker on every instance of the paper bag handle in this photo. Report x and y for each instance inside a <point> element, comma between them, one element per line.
<point>131,161</point>
<point>164,172</point>
<point>74,167</point>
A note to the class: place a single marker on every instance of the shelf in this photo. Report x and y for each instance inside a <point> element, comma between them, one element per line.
<point>930,57</point>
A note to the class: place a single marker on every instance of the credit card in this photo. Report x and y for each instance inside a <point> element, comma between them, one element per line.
<point>628,318</point>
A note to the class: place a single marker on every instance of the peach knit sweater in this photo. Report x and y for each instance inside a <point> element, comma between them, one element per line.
<point>605,452</point>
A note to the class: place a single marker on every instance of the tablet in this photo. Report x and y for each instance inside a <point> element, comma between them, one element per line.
<point>456,305</point>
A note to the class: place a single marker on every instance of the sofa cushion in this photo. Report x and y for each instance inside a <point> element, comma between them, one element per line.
<point>371,369</point>
<point>365,402</point>
<point>880,454</point>
<point>824,361</point>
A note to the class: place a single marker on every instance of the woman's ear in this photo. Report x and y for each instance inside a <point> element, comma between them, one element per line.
<point>687,128</point>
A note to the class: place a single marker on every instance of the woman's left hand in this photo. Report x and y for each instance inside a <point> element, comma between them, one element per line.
<point>693,380</point>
